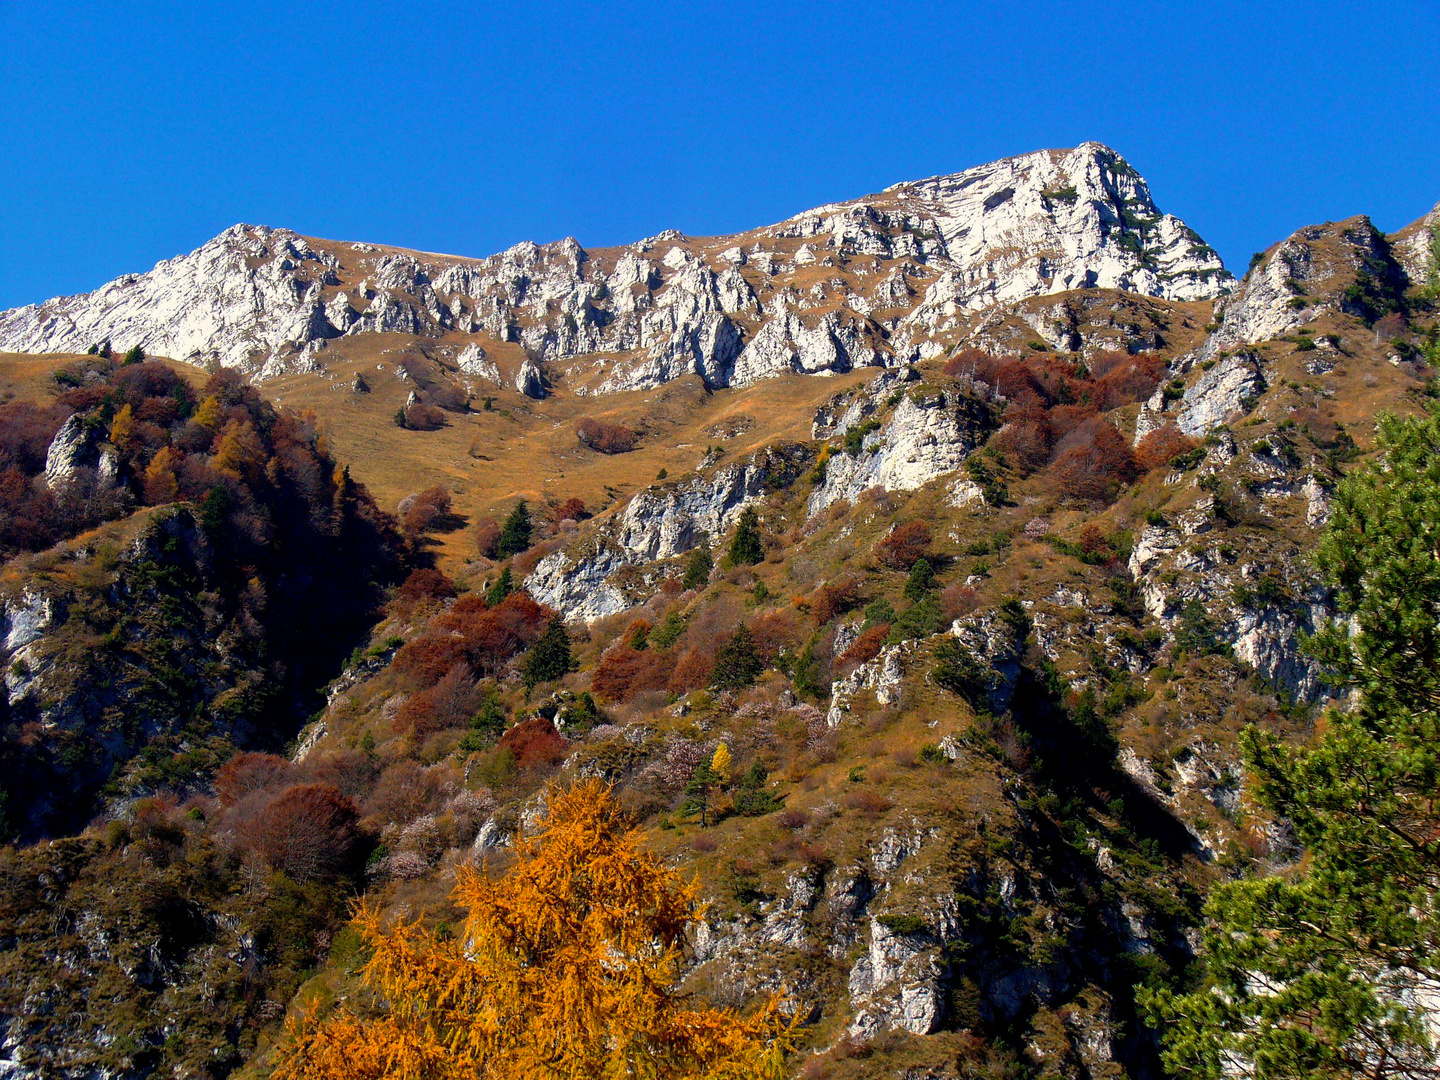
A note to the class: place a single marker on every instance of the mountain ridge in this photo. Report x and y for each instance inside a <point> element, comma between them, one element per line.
<point>904,263</point>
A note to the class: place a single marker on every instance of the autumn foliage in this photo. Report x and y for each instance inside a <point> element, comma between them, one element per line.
<point>904,544</point>
<point>606,437</point>
<point>564,967</point>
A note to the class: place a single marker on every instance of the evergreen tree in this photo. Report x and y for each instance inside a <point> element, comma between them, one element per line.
<point>134,356</point>
<point>504,585</point>
<point>697,571</point>
<point>738,664</point>
<point>697,792</point>
<point>515,533</point>
<point>746,549</point>
<point>1318,973</point>
<point>549,658</point>
<point>921,580</point>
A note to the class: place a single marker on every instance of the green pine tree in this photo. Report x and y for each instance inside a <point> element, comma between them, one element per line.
<point>697,571</point>
<point>135,356</point>
<point>549,658</point>
<point>738,663</point>
<point>747,549</point>
<point>703,781</point>
<point>504,585</point>
<point>1306,973</point>
<point>921,581</point>
<point>515,533</point>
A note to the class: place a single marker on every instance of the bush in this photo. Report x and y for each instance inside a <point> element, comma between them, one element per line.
<point>535,743</point>
<point>834,598</point>
<point>625,671</point>
<point>904,545</point>
<point>605,437</point>
<point>450,703</point>
<point>425,584</point>
<point>487,537</point>
<point>1162,446</point>
<point>958,671</point>
<point>421,417</point>
<point>865,647</point>
<point>309,832</point>
<point>421,512</point>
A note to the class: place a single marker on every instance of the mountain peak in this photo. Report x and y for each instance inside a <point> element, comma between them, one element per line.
<point>908,269</point>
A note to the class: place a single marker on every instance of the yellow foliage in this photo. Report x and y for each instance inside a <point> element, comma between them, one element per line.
<point>240,450</point>
<point>160,483</point>
<point>564,970</point>
<point>122,428</point>
<point>209,414</point>
<point>722,762</point>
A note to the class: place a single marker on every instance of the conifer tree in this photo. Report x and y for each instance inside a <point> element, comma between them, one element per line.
<point>504,585</point>
<point>564,967</point>
<point>515,533</point>
<point>747,549</point>
<point>549,658</point>
<point>738,663</point>
<point>921,581</point>
<point>697,571</point>
<point>1318,972</point>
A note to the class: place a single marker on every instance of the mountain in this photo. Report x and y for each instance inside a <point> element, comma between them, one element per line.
<point>874,282</point>
<point>978,617</point>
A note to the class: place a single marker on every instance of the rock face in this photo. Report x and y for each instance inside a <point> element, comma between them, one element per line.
<point>811,294</point>
<point>929,433</point>
<point>1299,279</point>
<point>1413,247</point>
<point>242,300</point>
<point>656,524</point>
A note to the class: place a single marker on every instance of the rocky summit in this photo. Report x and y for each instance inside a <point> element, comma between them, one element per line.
<point>878,282</point>
<point>963,682</point>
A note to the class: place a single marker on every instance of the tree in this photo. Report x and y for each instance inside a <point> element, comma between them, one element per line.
<point>921,582</point>
<point>703,781</point>
<point>747,549</point>
<point>721,762</point>
<point>136,355</point>
<point>161,485</point>
<point>738,663</point>
<point>565,967</point>
<point>122,428</point>
<point>698,569</point>
<point>1320,972</point>
<point>515,533</point>
<point>504,585</point>
<point>549,658</point>
<point>209,414</point>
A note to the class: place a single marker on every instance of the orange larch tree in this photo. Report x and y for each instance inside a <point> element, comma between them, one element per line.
<point>565,970</point>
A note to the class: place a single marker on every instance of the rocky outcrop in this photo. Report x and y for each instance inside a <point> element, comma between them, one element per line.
<point>658,523</point>
<point>1296,281</point>
<point>530,380</point>
<point>1414,248</point>
<point>929,433</point>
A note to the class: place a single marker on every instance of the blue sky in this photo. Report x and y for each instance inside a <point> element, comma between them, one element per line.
<point>130,133</point>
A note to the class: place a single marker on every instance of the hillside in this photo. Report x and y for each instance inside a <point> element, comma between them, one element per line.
<point>978,616</point>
